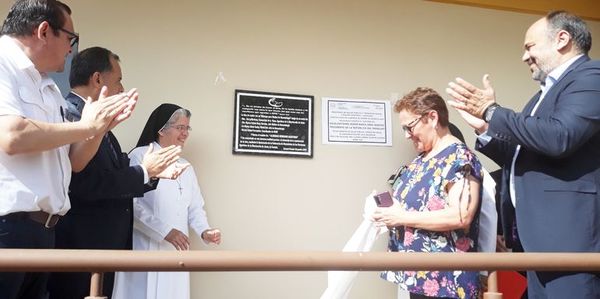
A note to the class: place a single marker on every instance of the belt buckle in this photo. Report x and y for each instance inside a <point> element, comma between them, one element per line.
<point>48,220</point>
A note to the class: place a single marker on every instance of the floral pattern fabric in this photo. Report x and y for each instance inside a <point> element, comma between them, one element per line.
<point>422,187</point>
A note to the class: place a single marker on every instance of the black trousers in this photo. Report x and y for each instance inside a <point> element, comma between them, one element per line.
<point>21,232</point>
<point>76,285</point>
<point>94,228</point>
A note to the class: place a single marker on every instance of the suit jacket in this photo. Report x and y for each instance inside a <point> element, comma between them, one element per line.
<point>557,172</point>
<point>101,215</point>
<point>101,196</point>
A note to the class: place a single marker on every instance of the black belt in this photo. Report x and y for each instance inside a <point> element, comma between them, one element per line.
<point>48,220</point>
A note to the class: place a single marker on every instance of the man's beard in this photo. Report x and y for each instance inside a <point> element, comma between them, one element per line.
<point>543,67</point>
<point>539,75</point>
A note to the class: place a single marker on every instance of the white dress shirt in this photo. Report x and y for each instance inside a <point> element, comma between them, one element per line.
<point>32,181</point>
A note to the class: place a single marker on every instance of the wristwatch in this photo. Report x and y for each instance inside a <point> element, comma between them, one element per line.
<point>489,111</point>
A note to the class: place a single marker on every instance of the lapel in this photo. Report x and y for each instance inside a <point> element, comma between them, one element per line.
<point>529,107</point>
<point>111,148</point>
<point>74,107</point>
<point>573,66</point>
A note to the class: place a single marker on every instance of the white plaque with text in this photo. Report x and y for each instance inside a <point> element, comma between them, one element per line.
<point>354,121</point>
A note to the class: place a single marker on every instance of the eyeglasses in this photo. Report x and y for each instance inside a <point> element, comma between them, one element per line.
<point>72,35</point>
<point>411,125</point>
<point>182,128</point>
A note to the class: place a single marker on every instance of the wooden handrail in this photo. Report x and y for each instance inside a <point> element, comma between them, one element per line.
<point>33,260</point>
<point>99,261</point>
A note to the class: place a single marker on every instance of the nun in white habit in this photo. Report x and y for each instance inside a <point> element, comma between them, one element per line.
<point>162,217</point>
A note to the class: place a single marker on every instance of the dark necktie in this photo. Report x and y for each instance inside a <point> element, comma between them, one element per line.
<point>112,147</point>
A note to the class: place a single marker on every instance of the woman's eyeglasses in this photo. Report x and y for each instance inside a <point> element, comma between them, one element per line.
<point>411,125</point>
<point>182,128</point>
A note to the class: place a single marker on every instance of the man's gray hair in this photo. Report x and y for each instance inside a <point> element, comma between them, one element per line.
<point>574,25</point>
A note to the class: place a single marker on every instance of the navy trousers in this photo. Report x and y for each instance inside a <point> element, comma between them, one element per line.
<point>559,285</point>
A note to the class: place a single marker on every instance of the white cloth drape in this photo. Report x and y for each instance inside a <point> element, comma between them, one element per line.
<point>339,283</point>
<point>488,219</point>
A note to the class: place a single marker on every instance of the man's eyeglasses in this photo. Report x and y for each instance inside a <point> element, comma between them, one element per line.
<point>72,35</point>
<point>182,128</point>
<point>411,125</point>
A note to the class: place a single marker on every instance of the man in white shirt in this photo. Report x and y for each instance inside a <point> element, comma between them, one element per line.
<point>37,149</point>
<point>550,152</point>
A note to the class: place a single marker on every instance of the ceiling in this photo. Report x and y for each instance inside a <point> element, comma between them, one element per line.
<point>587,9</point>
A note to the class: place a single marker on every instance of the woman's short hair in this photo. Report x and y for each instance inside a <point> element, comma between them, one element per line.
<point>422,100</point>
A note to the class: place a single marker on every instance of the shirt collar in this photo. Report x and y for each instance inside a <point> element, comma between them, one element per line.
<point>49,82</point>
<point>555,74</point>
<point>19,58</point>
<point>78,95</point>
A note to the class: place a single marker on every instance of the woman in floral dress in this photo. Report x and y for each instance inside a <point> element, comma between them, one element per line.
<point>436,199</point>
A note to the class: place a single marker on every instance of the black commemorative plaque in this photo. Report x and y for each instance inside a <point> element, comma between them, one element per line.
<point>273,124</point>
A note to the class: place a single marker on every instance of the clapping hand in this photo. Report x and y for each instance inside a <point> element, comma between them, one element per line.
<point>469,98</point>
<point>126,113</point>
<point>173,171</point>
<point>157,162</point>
<point>476,123</point>
<point>99,114</point>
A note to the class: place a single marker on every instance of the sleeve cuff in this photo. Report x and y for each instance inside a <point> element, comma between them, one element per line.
<point>484,138</point>
<point>146,178</point>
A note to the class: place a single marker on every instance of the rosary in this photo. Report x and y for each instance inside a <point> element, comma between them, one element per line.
<point>179,186</point>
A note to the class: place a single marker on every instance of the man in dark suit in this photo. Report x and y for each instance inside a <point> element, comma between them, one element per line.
<point>101,194</point>
<point>550,152</point>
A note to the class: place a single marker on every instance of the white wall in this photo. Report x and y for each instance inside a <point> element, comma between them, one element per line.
<point>173,50</point>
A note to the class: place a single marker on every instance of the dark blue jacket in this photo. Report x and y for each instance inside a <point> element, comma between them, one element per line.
<point>557,173</point>
<point>101,215</point>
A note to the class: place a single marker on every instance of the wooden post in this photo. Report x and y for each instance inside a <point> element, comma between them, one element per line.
<point>96,286</point>
<point>492,290</point>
